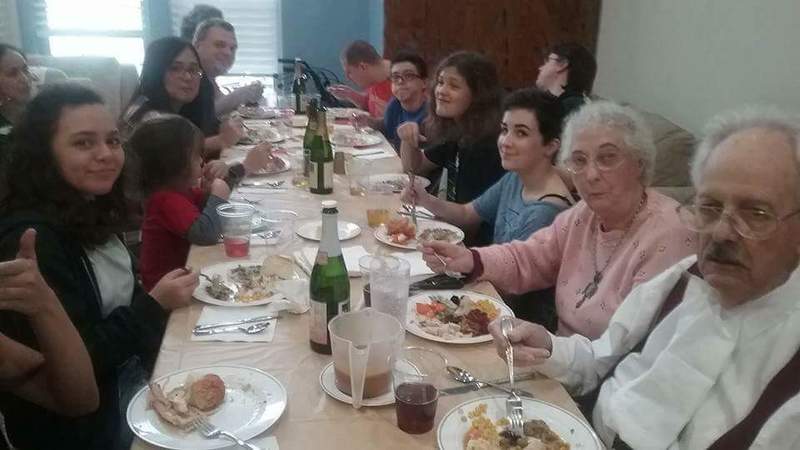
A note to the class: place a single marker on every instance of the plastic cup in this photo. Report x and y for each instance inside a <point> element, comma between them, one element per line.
<point>378,197</point>
<point>357,171</point>
<point>237,224</point>
<point>389,278</point>
<point>299,176</point>
<point>417,374</point>
<point>364,266</point>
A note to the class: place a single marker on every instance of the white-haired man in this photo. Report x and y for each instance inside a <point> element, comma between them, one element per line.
<point>216,44</point>
<point>705,359</point>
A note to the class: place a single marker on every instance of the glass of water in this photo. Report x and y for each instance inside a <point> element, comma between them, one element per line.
<point>389,279</point>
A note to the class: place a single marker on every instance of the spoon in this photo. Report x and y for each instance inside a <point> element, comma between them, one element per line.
<point>255,328</point>
<point>464,376</point>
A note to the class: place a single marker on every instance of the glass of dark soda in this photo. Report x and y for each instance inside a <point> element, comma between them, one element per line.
<point>417,374</point>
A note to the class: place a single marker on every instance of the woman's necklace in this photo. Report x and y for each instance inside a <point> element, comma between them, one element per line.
<point>591,288</point>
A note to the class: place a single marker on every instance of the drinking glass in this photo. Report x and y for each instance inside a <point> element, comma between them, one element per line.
<point>377,199</point>
<point>299,175</point>
<point>357,171</point>
<point>389,280</point>
<point>237,224</point>
<point>364,264</point>
<point>417,374</point>
<point>279,232</point>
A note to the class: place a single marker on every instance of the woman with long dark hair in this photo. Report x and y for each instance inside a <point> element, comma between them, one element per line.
<point>461,129</point>
<point>65,183</point>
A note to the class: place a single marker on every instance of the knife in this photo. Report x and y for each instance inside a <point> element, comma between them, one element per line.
<point>237,322</point>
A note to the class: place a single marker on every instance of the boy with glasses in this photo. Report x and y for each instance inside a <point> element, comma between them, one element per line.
<point>409,74</point>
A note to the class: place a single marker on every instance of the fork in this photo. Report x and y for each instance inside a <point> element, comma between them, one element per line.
<point>513,402</point>
<point>413,199</point>
<point>208,430</point>
<point>449,273</point>
<point>4,432</point>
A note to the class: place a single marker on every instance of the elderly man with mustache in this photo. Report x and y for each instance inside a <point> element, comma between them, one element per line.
<point>705,355</point>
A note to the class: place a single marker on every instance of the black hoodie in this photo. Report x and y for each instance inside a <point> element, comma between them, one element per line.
<point>129,337</point>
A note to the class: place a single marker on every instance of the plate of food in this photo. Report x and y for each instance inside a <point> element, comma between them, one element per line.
<point>482,424</point>
<point>402,233</point>
<point>312,230</point>
<point>344,113</point>
<point>258,134</point>
<point>397,181</point>
<point>257,112</point>
<point>245,283</point>
<point>454,316</point>
<point>356,140</point>
<point>275,165</point>
<point>243,400</point>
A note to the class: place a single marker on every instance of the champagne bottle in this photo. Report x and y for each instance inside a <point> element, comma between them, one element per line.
<point>311,128</point>
<point>330,285</point>
<point>320,180</point>
<point>298,86</point>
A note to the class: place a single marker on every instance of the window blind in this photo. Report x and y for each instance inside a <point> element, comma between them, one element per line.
<point>9,29</point>
<point>257,24</point>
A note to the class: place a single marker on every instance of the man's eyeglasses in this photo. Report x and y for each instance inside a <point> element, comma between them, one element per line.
<point>400,78</point>
<point>751,223</point>
<point>577,163</point>
<point>191,71</point>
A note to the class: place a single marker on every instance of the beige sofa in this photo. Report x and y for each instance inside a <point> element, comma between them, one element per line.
<point>674,148</point>
<point>114,81</point>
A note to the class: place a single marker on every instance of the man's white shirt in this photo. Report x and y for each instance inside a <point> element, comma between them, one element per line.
<point>700,372</point>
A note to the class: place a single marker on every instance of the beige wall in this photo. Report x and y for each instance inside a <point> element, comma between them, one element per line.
<point>689,59</point>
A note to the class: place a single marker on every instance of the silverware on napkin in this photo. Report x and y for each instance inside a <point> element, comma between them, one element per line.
<point>209,326</point>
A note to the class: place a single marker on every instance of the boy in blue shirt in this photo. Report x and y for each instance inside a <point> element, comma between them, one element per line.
<point>410,103</point>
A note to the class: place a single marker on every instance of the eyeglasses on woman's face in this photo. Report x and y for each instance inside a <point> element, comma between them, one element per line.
<point>605,161</point>
<point>191,70</point>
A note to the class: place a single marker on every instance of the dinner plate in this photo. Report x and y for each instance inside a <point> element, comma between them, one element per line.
<point>223,269</point>
<point>257,112</point>
<point>299,121</point>
<point>574,431</point>
<point>344,113</point>
<point>422,225</point>
<point>261,133</point>
<point>397,181</point>
<point>287,166</point>
<point>356,140</point>
<point>412,323</point>
<point>254,401</point>
<point>312,230</point>
<point>327,379</point>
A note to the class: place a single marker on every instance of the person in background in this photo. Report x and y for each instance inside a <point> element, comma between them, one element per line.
<point>706,354</point>
<point>619,235</point>
<point>199,13</point>
<point>173,81</point>
<point>57,374</point>
<point>215,41</point>
<point>531,194</point>
<point>369,71</point>
<point>461,128</point>
<point>568,73</point>
<point>15,90</point>
<point>65,183</point>
<point>178,211</point>
<point>409,75</point>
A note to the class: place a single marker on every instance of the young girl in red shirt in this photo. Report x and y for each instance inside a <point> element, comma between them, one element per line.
<point>180,205</point>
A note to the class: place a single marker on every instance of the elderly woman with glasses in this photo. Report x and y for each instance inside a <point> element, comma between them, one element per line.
<point>621,234</point>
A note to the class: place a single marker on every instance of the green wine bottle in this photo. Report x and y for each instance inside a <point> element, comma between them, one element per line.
<point>311,129</point>
<point>330,285</point>
<point>320,180</point>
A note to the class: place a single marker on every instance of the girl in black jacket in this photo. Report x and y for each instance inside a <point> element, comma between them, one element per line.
<point>63,180</point>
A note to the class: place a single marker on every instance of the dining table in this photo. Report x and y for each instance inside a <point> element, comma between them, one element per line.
<point>312,419</point>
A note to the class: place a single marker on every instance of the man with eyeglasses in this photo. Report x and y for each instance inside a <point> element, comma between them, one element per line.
<point>568,73</point>
<point>706,354</point>
<point>410,103</point>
